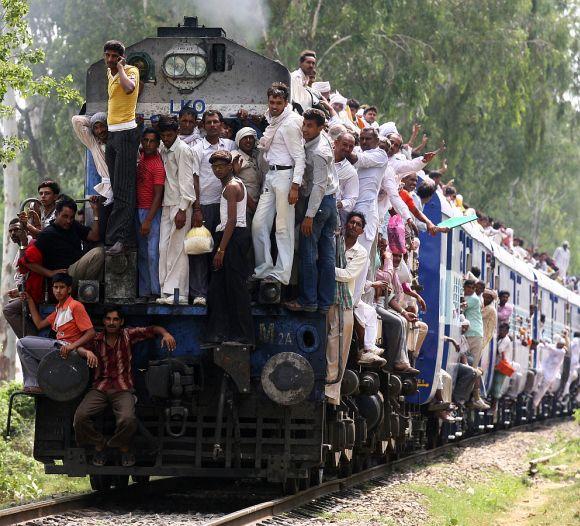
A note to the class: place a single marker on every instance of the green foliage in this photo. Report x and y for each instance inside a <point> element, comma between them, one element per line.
<point>21,477</point>
<point>17,59</point>
<point>494,79</point>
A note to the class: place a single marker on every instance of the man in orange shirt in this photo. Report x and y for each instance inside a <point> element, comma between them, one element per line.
<point>70,325</point>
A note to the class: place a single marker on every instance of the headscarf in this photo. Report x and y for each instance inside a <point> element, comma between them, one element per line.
<point>245,132</point>
<point>322,86</point>
<point>98,117</point>
<point>337,98</point>
<point>387,128</point>
<point>463,321</point>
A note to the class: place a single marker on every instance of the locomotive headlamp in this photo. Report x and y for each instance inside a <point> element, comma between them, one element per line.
<point>196,66</point>
<point>174,66</point>
<point>185,66</point>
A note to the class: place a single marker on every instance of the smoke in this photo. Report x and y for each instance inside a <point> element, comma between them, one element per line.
<point>245,21</point>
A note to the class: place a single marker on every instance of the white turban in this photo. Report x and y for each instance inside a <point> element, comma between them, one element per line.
<point>387,128</point>
<point>463,321</point>
<point>321,87</point>
<point>245,132</point>
<point>337,98</point>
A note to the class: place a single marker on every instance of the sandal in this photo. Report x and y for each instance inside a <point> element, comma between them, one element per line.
<point>127,459</point>
<point>100,458</point>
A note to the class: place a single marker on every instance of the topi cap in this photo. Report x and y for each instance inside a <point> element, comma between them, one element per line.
<point>220,155</point>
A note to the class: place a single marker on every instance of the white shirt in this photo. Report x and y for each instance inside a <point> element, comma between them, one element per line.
<point>356,259</point>
<point>210,188</point>
<point>287,147</point>
<point>348,185</point>
<point>562,260</point>
<point>390,196</point>
<point>370,167</point>
<point>240,209</point>
<point>505,346</point>
<point>300,95</point>
<point>401,165</point>
<point>178,188</point>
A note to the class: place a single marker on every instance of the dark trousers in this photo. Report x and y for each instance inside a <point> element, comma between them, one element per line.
<point>121,157</point>
<point>228,307</point>
<point>95,402</point>
<point>13,315</point>
<point>199,265</point>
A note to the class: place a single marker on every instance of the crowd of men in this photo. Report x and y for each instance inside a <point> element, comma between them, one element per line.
<point>317,167</point>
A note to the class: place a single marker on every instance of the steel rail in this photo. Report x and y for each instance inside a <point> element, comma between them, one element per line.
<point>266,510</point>
<point>256,513</point>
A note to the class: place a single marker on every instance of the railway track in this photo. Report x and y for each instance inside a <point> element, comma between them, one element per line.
<point>265,512</point>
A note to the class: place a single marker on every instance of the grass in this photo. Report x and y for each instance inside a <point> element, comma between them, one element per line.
<point>474,507</point>
<point>22,479</point>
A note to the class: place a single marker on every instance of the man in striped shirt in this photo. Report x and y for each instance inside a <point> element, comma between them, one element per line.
<point>110,355</point>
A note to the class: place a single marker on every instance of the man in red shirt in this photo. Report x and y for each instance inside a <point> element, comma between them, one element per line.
<point>150,183</point>
<point>110,354</point>
<point>69,322</point>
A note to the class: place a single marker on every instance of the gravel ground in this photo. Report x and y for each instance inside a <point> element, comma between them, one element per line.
<point>390,502</point>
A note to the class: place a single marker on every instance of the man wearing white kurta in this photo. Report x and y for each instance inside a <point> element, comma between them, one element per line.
<point>562,259</point>
<point>347,177</point>
<point>178,197</point>
<point>283,146</point>
<point>301,77</point>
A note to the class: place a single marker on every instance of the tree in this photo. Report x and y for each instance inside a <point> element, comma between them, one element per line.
<point>17,80</point>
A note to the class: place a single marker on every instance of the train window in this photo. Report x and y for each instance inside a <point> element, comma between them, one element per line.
<point>307,338</point>
<point>219,57</point>
<point>496,282</point>
<point>468,262</point>
<point>145,64</point>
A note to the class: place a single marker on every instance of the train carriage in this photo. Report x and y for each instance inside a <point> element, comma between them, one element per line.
<point>224,411</point>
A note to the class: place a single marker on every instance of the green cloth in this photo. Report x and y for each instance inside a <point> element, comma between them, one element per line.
<point>473,314</point>
<point>342,296</point>
<point>452,222</point>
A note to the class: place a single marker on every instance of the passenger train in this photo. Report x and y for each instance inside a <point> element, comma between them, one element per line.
<point>260,412</point>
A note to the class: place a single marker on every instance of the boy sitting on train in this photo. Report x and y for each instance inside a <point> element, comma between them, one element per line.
<point>229,311</point>
<point>41,214</point>
<point>109,353</point>
<point>61,244</point>
<point>70,325</point>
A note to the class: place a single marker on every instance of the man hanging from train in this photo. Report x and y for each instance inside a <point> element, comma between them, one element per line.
<point>122,144</point>
<point>69,322</point>
<point>189,132</point>
<point>150,184</point>
<point>300,79</point>
<point>282,144</point>
<point>206,208</point>
<point>178,198</point>
<point>347,176</point>
<point>110,354</point>
<point>350,262</point>
<point>319,219</point>
<point>229,312</point>
<point>61,244</point>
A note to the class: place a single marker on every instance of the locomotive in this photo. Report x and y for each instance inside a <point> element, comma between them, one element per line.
<point>240,412</point>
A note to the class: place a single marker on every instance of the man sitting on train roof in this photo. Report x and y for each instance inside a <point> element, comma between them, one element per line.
<point>283,147</point>
<point>122,144</point>
<point>300,79</point>
<point>110,354</point>
<point>61,244</point>
<point>69,323</point>
<point>40,215</point>
<point>208,190</point>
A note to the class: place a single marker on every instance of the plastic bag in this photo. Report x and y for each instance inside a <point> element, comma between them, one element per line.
<point>198,241</point>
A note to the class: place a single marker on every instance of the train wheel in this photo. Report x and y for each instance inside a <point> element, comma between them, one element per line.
<point>140,479</point>
<point>101,482</point>
<point>290,487</point>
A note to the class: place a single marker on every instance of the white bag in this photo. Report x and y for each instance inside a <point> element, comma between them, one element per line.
<point>198,241</point>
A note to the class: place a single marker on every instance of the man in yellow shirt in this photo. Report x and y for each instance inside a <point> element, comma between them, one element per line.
<point>122,144</point>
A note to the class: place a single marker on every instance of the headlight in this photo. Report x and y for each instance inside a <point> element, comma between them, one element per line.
<point>174,66</point>
<point>196,66</point>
